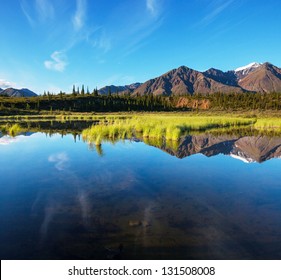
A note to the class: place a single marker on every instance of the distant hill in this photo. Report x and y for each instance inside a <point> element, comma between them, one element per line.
<point>255,77</point>
<point>12,92</point>
<point>119,89</point>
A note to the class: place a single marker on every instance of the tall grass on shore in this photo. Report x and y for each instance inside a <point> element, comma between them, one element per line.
<point>170,127</point>
<point>268,124</point>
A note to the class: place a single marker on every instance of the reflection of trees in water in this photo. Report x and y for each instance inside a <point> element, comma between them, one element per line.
<point>48,127</point>
<point>210,142</point>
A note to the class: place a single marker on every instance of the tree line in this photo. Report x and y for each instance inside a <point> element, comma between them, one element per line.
<point>82,100</point>
<point>84,103</point>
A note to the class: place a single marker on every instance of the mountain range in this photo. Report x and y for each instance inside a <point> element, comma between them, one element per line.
<point>12,92</point>
<point>245,148</point>
<point>255,77</point>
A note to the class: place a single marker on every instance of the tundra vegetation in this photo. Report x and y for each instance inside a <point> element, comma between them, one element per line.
<point>114,116</point>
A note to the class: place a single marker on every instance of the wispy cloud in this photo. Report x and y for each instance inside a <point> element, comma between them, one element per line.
<point>6,84</point>
<point>60,159</point>
<point>102,42</point>
<point>58,62</point>
<point>151,6</point>
<point>79,17</point>
<point>26,12</point>
<point>37,11</point>
<point>44,9</point>
<point>139,40</point>
<point>217,7</point>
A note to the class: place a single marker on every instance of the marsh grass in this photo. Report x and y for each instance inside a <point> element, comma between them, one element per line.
<point>170,127</point>
<point>268,124</point>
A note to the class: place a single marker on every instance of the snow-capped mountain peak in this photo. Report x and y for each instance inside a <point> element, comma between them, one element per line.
<point>242,157</point>
<point>245,68</point>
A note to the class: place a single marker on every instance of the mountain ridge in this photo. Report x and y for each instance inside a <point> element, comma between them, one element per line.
<point>254,77</point>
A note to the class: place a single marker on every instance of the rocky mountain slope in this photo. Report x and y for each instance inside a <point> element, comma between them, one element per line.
<point>265,78</point>
<point>254,77</point>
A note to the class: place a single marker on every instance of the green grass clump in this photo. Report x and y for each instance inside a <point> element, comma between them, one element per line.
<point>268,124</point>
<point>169,126</point>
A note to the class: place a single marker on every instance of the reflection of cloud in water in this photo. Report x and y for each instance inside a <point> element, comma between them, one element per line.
<point>50,211</point>
<point>7,140</point>
<point>84,197</point>
<point>61,160</point>
<point>147,218</point>
<point>85,207</point>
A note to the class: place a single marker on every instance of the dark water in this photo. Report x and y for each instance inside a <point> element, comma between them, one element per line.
<point>208,197</point>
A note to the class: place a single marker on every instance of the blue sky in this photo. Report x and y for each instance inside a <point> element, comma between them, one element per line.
<point>53,44</point>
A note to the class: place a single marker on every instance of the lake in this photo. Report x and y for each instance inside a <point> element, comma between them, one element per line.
<point>206,197</point>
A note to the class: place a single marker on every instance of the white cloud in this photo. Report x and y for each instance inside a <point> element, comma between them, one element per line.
<point>58,62</point>
<point>80,14</point>
<point>6,84</point>
<point>60,159</point>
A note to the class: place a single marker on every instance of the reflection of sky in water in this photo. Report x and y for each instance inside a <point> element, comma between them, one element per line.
<point>60,199</point>
<point>7,140</point>
<point>60,160</point>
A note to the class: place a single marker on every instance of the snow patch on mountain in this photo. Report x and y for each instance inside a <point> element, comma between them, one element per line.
<point>242,157</point>
<point>247,67</point>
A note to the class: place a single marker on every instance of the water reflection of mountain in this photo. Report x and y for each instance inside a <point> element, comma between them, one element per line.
<point>247,148</point>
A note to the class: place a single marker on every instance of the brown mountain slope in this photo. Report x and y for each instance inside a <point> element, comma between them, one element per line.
<point>184,80</point>
<point>227,78</point>
<point>254,77</point>
<point>266,78</point>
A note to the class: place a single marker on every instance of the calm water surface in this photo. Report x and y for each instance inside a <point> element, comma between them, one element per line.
<point>210,198</point>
